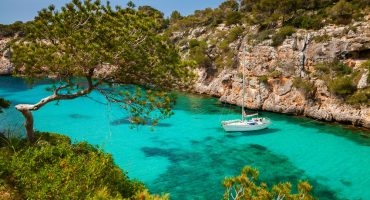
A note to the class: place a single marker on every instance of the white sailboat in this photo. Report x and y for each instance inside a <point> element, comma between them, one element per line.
<point>248,122</point>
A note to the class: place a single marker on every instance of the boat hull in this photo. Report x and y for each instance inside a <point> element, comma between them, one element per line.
<point>239,126</point>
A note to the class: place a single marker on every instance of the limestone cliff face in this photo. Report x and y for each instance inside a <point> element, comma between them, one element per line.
<point>6,67</point>
<point>294,58</point>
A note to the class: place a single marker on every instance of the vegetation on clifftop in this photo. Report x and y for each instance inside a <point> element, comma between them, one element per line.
<point>269,14</point>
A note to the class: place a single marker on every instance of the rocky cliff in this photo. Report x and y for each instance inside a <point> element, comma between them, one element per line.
<point>294,58</point>
<point>5,66</point>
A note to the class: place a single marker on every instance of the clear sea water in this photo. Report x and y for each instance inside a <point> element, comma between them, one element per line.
<point>189,154</point>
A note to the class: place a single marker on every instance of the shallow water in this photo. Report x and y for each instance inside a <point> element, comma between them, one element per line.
<point>188,155</point>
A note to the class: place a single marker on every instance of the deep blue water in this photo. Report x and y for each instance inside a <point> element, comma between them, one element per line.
<point>189,154</point>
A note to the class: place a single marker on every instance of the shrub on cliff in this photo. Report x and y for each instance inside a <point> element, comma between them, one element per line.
<point>341,12</point>
<point>11,29</point>
<point>276,74</point>
<point>198,52</point>
<point>306,21</point>
<point>342,85</point>
<point>360,97</point>
<point>54,168</point>
<point>307,88</point>
<point>279,37</point>
<point>263,79</point>
<point>233,17</point>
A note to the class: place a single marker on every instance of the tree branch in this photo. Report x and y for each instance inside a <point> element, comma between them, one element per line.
<point>56,96</point>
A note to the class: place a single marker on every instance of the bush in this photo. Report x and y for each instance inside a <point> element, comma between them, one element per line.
<point>305,86</point>
<point>341,68</point>
<point>360,97</point>
<point>342,86</point>
<point>334,68</point>
<point>341,12</point>
<point>261,36</point>
<point>11,29</point>
<point>280,36</point>
<point>263,79</point>
<point>234,33</point>
<point>55,169</point>
<point>322,68</point>
<point>275,74</point>
<point>233,17</point>
<point>198,53</point>
<point>308,22</point>
<point>321,38</point>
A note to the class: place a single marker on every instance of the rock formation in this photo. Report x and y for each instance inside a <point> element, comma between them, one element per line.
<point>5,66</point>
<point>296,57</point>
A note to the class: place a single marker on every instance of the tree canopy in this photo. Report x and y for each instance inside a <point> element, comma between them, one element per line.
<point>3,104</point>
<point>245,187</point>
<point>105,46</point>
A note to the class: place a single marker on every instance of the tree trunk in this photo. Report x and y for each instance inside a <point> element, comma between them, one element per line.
<point>28,124</point>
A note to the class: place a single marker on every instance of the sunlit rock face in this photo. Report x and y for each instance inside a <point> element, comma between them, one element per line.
<point>6,67</point>
<point>295,57</point>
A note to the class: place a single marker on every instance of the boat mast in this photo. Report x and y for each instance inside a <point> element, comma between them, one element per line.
<point>243,91</point>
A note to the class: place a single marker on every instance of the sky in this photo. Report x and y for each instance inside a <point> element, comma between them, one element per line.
<point>26,10</point>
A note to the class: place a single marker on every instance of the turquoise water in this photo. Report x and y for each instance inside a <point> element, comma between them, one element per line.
<point>188,155</point>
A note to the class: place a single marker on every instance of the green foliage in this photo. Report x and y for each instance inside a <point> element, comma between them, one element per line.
<point>247,187</point>
<point>232,18</point>
<point>321,38</point>
<point>85,36</point>
<point>366,65</point>
<point>56,169</point>
<point>280,36</point>
<point>341,12</point>
<point>229,5</point>
<point>360,97</point>
<point>175,16</point>
<point>307,88</point>
<point>261,36</point>
<point>130,41</point>
<point>195,43</point>
<point>4,104</point>
<point>341,68</point>
<point>155,14</point>
<point>11,29</point>
<point>263,79</point>
<point>332,69</point>
<point>342,85</point>
<point>198,52</point>
<point>234,34</point>
<point>271,14</point>
<point>276,74</point>
<point>306,21</point>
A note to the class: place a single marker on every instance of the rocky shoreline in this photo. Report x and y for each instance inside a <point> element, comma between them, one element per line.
<point>296,57</point>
